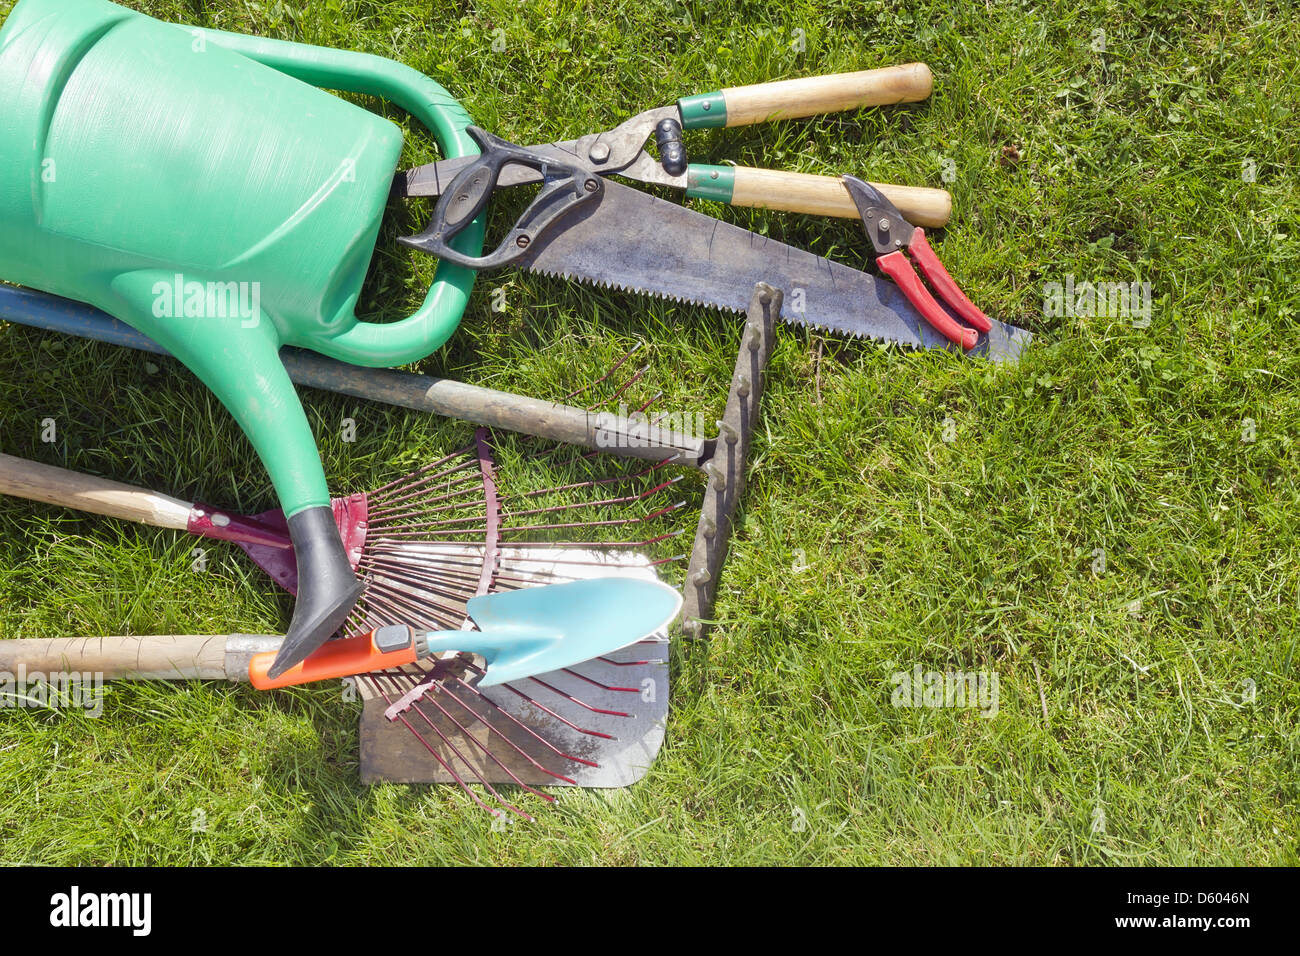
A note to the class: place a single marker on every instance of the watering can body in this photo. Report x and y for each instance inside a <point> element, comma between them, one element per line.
<point>198,186</point>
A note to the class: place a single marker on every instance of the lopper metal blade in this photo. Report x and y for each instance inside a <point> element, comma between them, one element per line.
<point>633,241</point>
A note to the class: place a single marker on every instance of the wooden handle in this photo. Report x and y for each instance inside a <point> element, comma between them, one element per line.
<point>164,657</point>
<point>160,657</point>
<point>827,196</point>
<point>808,96</point>
<point>70,489</point>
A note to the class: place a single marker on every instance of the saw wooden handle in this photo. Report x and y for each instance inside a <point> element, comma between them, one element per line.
<point>807,96</point>
<point>159,657</point>
<point>58,486</point>
<point>827,196</point>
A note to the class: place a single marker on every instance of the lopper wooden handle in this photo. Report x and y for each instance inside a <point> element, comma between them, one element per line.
<point>807,96</point>
<point>827,196</point>
<point>58,486</point>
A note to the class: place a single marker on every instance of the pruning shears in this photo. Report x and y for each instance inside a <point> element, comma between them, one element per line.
<point>893,237</point>
<point>622,150</point>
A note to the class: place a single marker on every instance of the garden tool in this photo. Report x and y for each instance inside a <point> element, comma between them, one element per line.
<point>126,182</point>
<point>437,709</point>
<point>617,435</point>
<point>893,237</point>
<point>615,236</point>
<point>722,458</point>
<point>406,539</point>
<point>596,724</point>
<point>520,633</point>
<point>621,151</point>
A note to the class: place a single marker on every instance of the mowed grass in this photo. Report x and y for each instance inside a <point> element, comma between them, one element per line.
<point>1110,527</point>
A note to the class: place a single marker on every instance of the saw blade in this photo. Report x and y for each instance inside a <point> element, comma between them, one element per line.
<point>633,241</point>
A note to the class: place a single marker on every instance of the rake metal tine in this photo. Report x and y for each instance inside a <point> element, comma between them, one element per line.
<point>591,545</point>
<point>606,523</point>
<point>623,388</point>
<point>454,775</point>
<point>579,701</point>
<point>399,559</point>
<point>575,506</point>
<point>469,688</point>
<point>398,575</point>
<point>487,752</point>
<point>446,764</point>
<point>594,682</point>
<point>424,469</point>
<point>596,482</point>
<point>431,617</point>
<point>452,490</point>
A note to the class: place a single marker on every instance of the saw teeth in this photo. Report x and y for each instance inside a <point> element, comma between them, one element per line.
<point>650,293</point>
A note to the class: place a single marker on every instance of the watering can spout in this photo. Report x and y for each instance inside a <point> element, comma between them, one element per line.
<point>327,588</point>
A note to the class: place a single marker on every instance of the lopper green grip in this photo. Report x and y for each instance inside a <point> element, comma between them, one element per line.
<point>710,182</point>
<point>703,110</point>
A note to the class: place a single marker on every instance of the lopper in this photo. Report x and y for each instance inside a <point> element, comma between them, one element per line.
<point>584,224</point>
<point>622,150</point>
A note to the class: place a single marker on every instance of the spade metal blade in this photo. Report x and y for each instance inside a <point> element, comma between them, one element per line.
<point>634,241</point>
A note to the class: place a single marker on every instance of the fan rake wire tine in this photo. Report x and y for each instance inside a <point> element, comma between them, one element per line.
<point>590,545</point>
<point>602,503</point>
<point>618,393</point>
<point>374,681</point>
<point>496,710</point>
<point>569,697</point>
<point>424,469</point>
<point>609,687</point>
<point>449,500</point>
<point>431,699</point>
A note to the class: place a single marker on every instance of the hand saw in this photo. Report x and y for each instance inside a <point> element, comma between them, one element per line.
<point>585,226</point>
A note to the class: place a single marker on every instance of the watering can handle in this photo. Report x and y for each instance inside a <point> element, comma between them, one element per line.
<point>413,338</point>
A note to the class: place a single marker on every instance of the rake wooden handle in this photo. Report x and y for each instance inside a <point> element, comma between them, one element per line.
<point>827,196</point>
<point>811,95</point>
<point>159,657</point>
<point>58,486</point>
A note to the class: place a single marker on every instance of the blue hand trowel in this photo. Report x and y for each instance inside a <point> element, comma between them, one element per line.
<point>521,633</point>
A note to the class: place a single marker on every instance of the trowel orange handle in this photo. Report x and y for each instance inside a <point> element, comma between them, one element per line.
<point>380,649</point>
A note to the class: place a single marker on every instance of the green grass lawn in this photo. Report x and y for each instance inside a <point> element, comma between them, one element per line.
<point>1110,527</point>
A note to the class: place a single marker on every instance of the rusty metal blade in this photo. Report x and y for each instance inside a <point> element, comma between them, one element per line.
<point>633,241</point>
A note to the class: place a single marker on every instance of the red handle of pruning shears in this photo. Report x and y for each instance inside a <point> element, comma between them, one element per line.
<point>944,284</point>
<point>896,266</point>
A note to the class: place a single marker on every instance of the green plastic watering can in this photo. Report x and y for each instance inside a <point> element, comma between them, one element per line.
<point>199,186</point>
